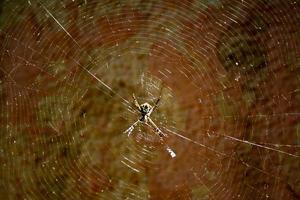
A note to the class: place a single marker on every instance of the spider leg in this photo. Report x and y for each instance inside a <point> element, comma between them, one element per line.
<point>159,97</point>
<point>156,104</point>
<point>161,135</point>
<point>157,101</point>
<point>157,130</point>
<point>130,129</point>
<point>136,103</point>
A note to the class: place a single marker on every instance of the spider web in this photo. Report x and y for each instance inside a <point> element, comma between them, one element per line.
<point>227,72</point>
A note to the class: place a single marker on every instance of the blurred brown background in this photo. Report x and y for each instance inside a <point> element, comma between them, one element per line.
<point>228,72</point>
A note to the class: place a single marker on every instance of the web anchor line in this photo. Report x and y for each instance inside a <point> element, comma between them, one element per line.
<point>90,57</point>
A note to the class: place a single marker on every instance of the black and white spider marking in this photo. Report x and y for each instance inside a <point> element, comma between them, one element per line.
<point>145,110</point>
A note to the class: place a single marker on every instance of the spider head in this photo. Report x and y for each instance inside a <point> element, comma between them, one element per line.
<point>145,108</point>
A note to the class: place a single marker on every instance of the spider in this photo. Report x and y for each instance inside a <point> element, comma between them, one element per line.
<point>145,110</point>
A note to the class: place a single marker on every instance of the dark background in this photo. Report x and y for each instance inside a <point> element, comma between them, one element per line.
<point>228,73</point>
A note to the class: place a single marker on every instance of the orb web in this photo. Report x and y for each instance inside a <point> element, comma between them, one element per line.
<point>226,71</point>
